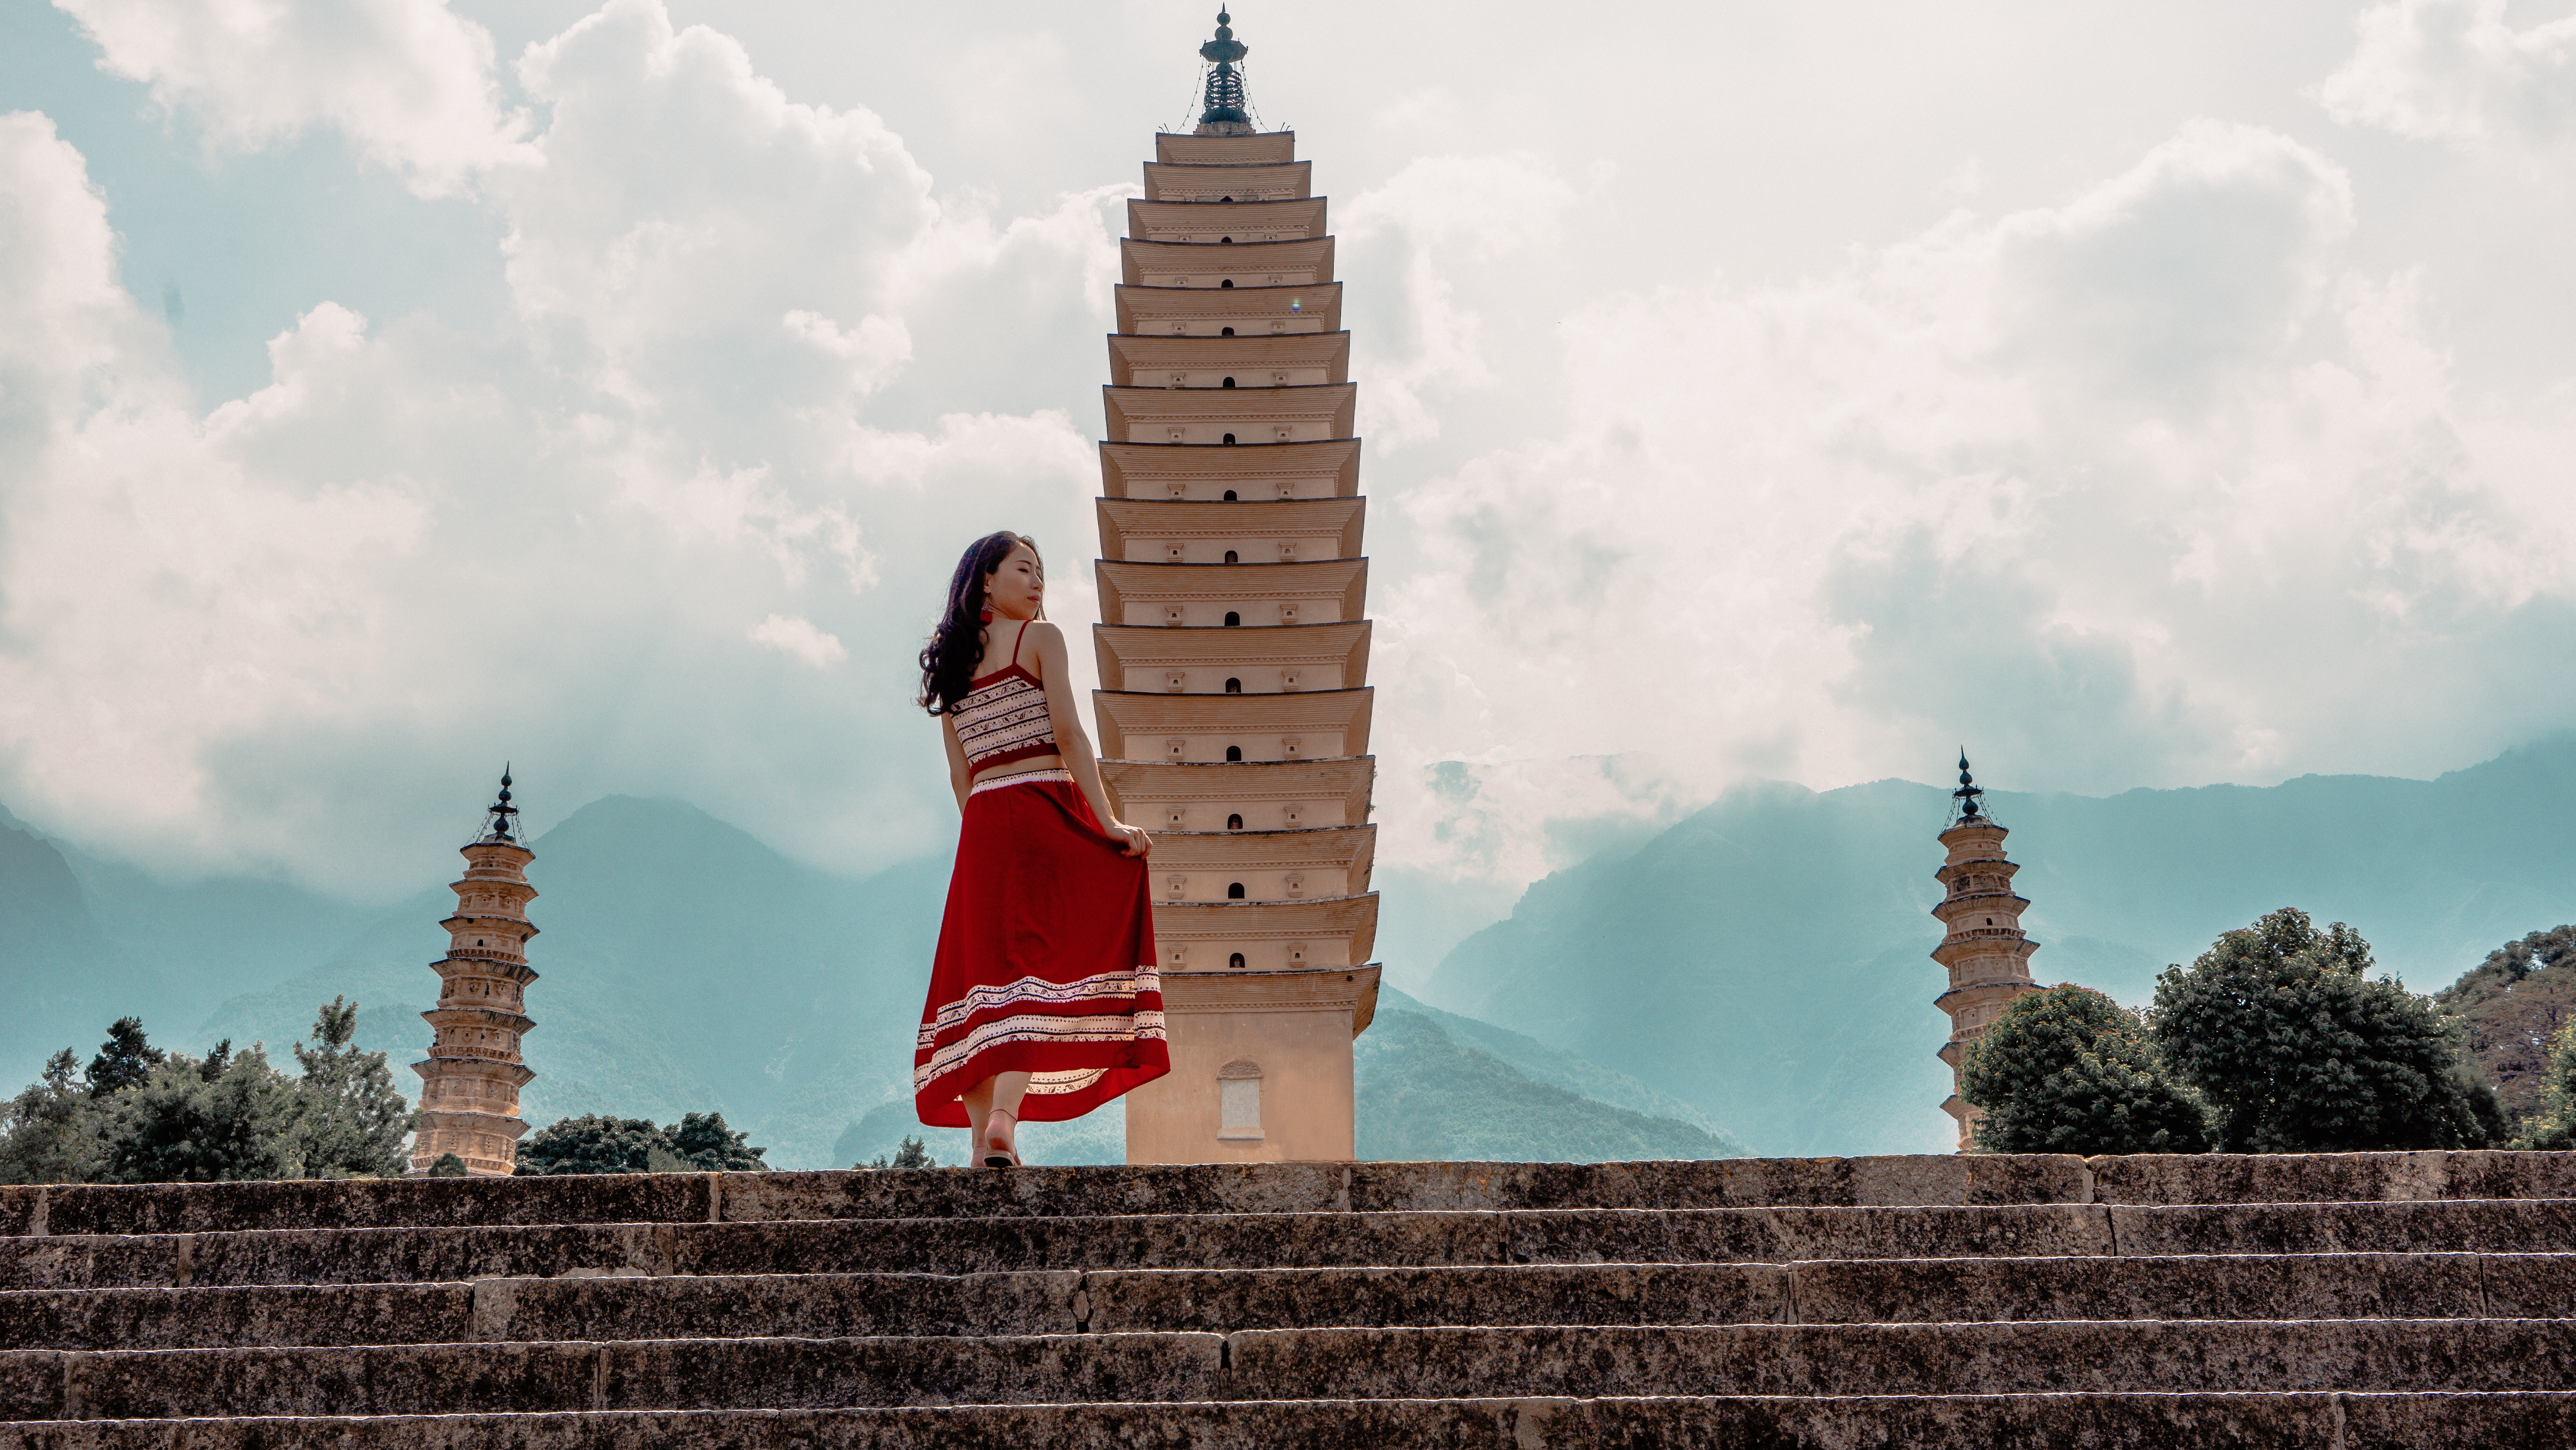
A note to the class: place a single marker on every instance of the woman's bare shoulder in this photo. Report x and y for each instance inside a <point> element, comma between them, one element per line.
<point>1044,632</point>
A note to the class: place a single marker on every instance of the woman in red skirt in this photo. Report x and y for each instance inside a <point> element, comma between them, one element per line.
<point>1044,1002</point>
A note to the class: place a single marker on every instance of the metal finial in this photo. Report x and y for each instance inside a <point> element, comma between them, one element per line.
<point>1965,807</point>
<point>499,823</point>
<point>1226,111</point>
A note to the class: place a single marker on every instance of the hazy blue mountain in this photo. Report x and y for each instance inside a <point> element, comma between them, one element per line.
<point>1425,1094</point>
<point>683,967</point>
<point>1431,1084</point>
<point>84,941</point>
<point>1766,959</point>
<point>54,959</point>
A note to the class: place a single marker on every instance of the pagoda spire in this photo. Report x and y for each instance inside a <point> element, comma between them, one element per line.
<point>469,1091</point>
<point>1226,112</point>
<point>1986,951</point>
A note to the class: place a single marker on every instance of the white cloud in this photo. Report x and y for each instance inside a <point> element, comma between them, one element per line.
<point>2152,486</point>
<point>1410,237</point>
<point>799,639</point>
<point>409,82</point>
<point>2457,70</point>
<point>269,633</point>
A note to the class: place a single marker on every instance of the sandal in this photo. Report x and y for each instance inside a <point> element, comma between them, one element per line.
<point>999,1151</point>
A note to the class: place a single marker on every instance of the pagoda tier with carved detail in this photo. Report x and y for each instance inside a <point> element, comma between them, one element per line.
<point>469,1095</point>
<point>1233,646</point>
<point>1986,952</point>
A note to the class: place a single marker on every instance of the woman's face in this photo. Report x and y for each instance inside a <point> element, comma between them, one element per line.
<point>1018,587</point>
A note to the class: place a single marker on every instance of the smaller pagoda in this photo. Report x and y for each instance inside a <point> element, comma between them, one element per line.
<point>469,1094</point>
<point>1986,951</point>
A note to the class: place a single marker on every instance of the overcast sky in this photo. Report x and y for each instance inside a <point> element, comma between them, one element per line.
<point>2141,394</point>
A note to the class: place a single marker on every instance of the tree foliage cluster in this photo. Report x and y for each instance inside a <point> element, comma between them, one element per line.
<point>595,1143</point>
<point>139,1114</point>
<point>912,1152</point>
<point>2276,1040</point>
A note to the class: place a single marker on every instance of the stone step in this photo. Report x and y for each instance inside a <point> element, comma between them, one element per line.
<point>1257,1241</point>
<point>2338,1421</point>
<point>832,1306</point>
<point>1957,1179</point>
<point>2333,1421</point>
<point>2071,1356</point>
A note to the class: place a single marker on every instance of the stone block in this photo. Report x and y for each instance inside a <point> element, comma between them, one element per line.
<point>2483,1226</point>
<point>2339,1286</point>
<point>1222,1300</point>
<point>1908,1359</point>
<point>287,1314</point>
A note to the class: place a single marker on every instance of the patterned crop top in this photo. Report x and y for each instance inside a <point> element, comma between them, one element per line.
<point>1004,717</point>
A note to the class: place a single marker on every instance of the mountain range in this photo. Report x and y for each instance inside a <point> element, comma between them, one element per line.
<point>1758,973</point>
<point>1765,959</point>
<point>685,966</point>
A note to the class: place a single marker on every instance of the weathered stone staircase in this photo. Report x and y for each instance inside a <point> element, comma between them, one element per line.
<point>2352,1301</point>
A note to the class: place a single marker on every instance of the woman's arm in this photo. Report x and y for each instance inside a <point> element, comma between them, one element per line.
<point>1071,741</point>
<point>957,773</point>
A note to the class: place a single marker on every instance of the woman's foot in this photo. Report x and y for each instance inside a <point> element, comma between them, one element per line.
<point>999,1149</point>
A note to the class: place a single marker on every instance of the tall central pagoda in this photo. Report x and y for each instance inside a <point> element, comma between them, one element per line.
<point>1233,644</point>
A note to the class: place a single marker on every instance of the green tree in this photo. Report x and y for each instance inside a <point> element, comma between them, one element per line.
<point>709,1147</point>
<point>2280,1028</point>
<point>910,1153</point>
<point>124,1060</point>
<point>591,1143</point>
<point>50,1132</point>
<point>2554,1126</point>
<point>349,1121</point>
<point>210,1120</point>
<point>2068,1070</point>
<point>448,1166</point>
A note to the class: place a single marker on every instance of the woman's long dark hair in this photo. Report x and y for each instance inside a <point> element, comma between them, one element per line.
<point>948,661</point>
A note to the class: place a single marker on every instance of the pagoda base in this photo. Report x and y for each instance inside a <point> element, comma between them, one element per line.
<point>1261,1068</point>
<point>487,1143</point>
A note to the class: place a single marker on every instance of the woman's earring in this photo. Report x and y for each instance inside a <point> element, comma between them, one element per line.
<point>988,616</point>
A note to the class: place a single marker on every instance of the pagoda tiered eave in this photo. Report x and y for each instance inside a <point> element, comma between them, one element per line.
<point>1149,531</point>
<point>1206,311</point>
<point>1148,594</point>
<point>1252,359</point>
<point>1263,412</point>
<point>1302,726</point>
<point>1352,846</point>
<point>1206,660</point>
<point>1302,262</point>
<point>1261,148</point>
<point>1998,902</point>
<point>1217,223</point>
<point>1327,468</point>
<point>1236,183</point>
<point>1351,919</point>
<point>1164,787</point>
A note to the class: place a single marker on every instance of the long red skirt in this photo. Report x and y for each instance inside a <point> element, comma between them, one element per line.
<point>1046,961</point>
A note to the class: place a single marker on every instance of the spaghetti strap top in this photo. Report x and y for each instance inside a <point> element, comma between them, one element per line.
<point>1004,716</point>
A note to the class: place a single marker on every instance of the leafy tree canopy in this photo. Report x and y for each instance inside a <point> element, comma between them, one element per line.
<point>912,1152</point>
<point>124,1060</point>
<point>593,1143</point>
<point>2297,1049</point>
<point>50,1132</point>
<point>2554,1126</point>
<point>186,1124</point>
<point>350,1119</point>
<point>2068,1070</point>
<point>142,1115</point>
